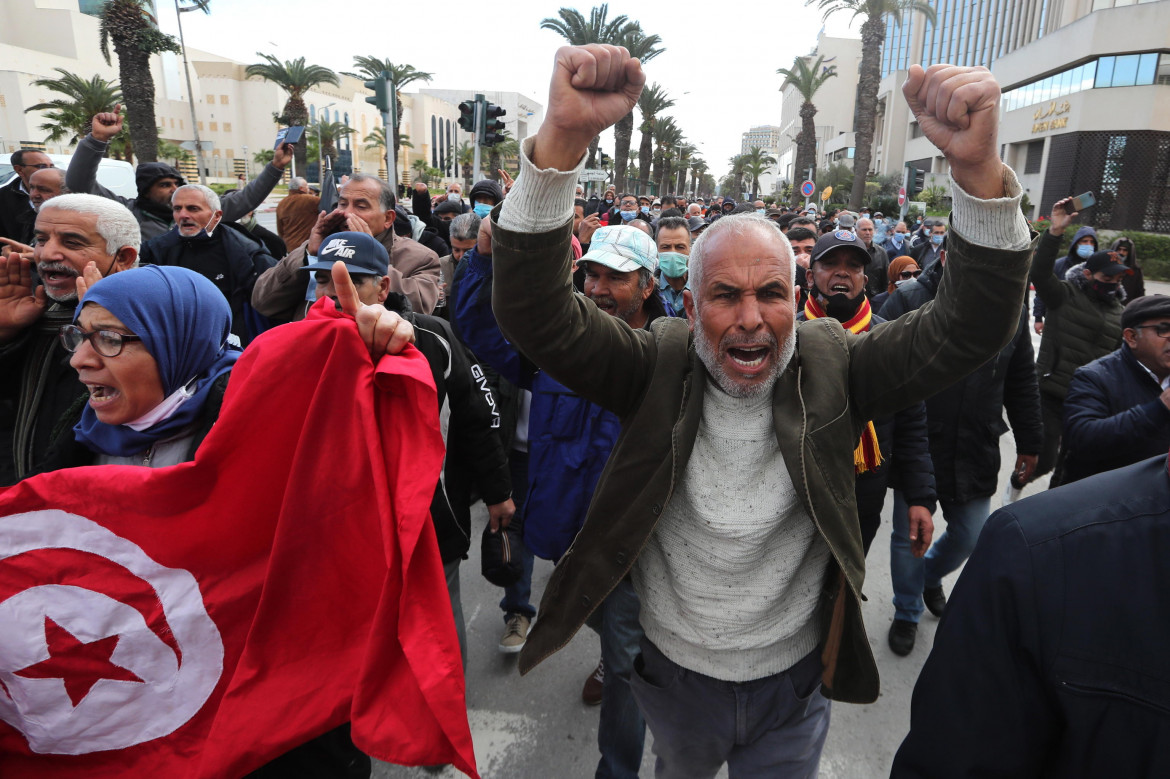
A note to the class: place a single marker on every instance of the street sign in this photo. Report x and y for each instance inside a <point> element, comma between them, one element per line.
<point>807,188</point>
<point>901,196</point>
<point>826,194</point>
<point>593,174</point>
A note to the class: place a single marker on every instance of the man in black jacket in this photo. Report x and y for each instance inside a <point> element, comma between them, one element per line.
<point>16,211</point>
<point>965,423</point>
<point>228,258</point>
<point>467,410</point>
<point>1052,658</point>
<point>1117,410</point>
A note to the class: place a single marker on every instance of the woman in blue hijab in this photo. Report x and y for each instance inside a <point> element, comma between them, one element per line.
<point>150,345</point>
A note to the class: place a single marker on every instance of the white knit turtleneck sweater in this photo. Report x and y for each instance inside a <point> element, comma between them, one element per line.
<point>731,577</point>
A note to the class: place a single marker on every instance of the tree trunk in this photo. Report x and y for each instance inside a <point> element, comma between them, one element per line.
<point>806,149</point>
<point>622,132</point>
<point>592,161</point>
<point>494,164</point>
<point>138,96</point>
<point>873,34</point>
<point>667,170</point>
<point>646,158</point>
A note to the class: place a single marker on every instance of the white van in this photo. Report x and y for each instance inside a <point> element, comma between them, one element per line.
<point>115,175</point>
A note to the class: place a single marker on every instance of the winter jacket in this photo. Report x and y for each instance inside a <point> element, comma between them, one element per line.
<point>1113,416</point>
<point>469,420</point>
<point>1051,658</point>
<point>654,382</point>
<point>272,242</point>
<point>410,226</point>
<point>1063,264</point>
<point>894,252</point>
<point>905,451</point>
<point>966,419</point>
<point>569,438</point>
<point>153,219</point>
<point>1080,325</point>
<point>877,273</point>
<point>229,259</point>
<point>281,293</point>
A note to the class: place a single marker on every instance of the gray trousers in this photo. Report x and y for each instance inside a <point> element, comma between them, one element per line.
<point>451,569</point>
<point>773,727</point>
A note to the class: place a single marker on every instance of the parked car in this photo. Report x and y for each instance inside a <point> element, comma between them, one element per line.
<point>114,175</point>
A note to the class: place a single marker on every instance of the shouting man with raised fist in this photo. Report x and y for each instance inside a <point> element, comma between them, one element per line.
<point>729,497</point>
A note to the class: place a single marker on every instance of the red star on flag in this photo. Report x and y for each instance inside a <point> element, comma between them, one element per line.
<point>78,664</point>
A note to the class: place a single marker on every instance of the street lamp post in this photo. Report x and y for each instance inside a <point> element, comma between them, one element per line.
<point>320,155</point>
<point>179,11</point>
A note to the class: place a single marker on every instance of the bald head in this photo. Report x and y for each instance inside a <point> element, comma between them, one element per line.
<point>46,184</point>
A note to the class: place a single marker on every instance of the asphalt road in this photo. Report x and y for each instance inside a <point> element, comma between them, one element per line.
<point>536,727</point>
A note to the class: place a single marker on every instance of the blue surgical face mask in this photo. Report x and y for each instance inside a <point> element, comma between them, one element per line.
<point>1085,250</point>
<point>760,210</point>
<point>645,209</point>
<point>628,215</point>
<point>936,240</point>
<point>482,210</point>
<point>672,264</point>
<point>897,238</point>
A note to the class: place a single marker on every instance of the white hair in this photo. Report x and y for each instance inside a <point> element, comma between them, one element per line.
<point>737,226</point>
<point>115,223</point>
<point>297,183</point>
<point>209,195</point>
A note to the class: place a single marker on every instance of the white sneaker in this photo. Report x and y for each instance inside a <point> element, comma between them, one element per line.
<point>515,634</point>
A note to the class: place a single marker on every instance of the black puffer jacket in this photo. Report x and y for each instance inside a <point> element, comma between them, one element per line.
<point>1080,325</point>
<point>966,419</point>
<point>1113,416</point>
<point>470,421</point>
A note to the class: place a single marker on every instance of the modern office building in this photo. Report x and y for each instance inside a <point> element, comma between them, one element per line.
<point>1085,107</point>
<point>765,136</point>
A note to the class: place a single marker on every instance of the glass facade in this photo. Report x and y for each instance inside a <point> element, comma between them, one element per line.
<point>1125,70</point>
<point>896,51</point>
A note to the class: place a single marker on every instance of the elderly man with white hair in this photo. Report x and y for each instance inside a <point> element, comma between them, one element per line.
<point>219,251</point>
<point>74,235</point>
<point>729,496</point>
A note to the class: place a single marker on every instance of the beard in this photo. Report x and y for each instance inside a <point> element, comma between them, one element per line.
<point>710,356</point>
<point>608,303</point>
<point>45,268</point>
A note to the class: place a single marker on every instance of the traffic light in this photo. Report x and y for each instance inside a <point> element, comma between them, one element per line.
<point>381,96</point>
<point>467,115</point>
<point>919,180</point>
<point>493,126</point>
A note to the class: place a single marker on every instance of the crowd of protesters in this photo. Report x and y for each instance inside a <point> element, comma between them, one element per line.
<point>695,408</point>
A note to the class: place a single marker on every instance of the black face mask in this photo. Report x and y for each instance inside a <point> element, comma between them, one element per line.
<point>840,306</point>
<point>1104,289</point>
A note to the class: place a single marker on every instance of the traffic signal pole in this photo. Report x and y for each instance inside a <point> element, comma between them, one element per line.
<point>480,102</point>
<point>390,120</point>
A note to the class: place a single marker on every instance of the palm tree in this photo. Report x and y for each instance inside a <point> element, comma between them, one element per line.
<point>873,38</point>
<point>668,136</point>
<point>807,80</point>
<point>755,163</point>
<point>173,152</point>
<point>70,116</point>
<point>573,27</point>
<point>133,29</point>
<point>422,170</point>
<point>376,140</point>
<point>645,48</point>
<point>685,153</point>
<point>508,148</point>
<point>651,102</point>
<point>698,169</point>
<point>296,78</point>
<point>331,133</point>
<point>465,156</point>
<point>370,68</point>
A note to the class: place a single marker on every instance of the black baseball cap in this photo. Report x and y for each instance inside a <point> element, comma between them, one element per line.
<point>1107,263</point>
<point>360,252</point>
<point>841,239</point>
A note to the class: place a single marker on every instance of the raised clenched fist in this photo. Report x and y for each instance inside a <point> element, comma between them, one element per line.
<point>592,88</point>
<point>957,108</point>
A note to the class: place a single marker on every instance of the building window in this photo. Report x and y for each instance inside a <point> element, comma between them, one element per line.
<point>181,126</point>
<point>211,98</point>
<point>915,130</point>
<point>223,99</point>
<point>199,125</point>
<point>215,127</point>
<point>227,127</point>
<point>1034,156</point>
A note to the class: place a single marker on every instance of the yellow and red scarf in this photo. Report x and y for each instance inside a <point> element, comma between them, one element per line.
<point>867,456</point>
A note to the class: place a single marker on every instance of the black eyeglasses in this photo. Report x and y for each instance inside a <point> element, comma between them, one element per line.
<point>909,274</point>
<point>1162,329</point>
<point>107,343</point>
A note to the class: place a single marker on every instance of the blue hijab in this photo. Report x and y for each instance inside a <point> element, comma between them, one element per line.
<point>184,322</point>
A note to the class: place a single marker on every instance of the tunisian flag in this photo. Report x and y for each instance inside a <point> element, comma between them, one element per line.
<point>200,620</point>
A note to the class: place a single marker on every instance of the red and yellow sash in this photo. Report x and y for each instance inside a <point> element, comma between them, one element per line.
<point>867,456</point>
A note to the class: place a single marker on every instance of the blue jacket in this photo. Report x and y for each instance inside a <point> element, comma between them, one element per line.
<point>1113,416</point>
<point>569,438</point>
<point>1051,658</point>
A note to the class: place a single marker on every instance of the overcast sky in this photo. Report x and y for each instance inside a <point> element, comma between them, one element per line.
<point>719,62</point>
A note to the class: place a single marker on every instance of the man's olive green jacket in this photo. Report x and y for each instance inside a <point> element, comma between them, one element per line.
<point>654,382</point>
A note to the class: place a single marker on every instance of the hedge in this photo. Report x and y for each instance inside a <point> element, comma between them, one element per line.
<point>1153,249</point>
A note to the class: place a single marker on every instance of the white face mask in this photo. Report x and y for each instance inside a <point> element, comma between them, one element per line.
<point>163,411</point>
<point>454,197</point>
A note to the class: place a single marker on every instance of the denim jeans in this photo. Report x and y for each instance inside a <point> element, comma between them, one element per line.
<point>518,597</point>
<point>950,550</point>
<point>621,731</point>
<point>451,570</point>
<point>773,727</point>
